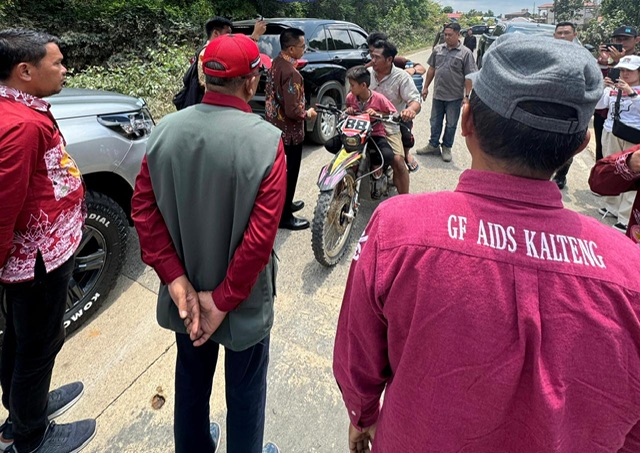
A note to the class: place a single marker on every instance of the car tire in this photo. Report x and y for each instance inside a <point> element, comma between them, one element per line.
<point>99,260</point>
<point>325,125</point>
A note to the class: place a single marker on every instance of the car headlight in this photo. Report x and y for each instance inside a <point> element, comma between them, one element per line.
<point>132,125</point>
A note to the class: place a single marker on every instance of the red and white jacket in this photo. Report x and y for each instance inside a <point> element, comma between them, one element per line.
<point>41,190</point>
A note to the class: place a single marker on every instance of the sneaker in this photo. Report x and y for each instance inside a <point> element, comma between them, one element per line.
<point>446,154</point>
<point>6,435</point>
<point>270,447</point>
<point>60,400</point>
<point>604,212</point>
<point>621,227</point>
<point>429,149</point>
<point>215,431</point>
<point>560,182</point>
<point>65,438</point>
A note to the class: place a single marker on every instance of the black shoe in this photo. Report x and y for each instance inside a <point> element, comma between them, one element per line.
<point>294,223</point>
<point>561,182</point>
<point>297,205</point>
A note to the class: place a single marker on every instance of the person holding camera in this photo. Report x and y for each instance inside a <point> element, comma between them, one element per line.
<point>621,97</point>
<point>623,43</point>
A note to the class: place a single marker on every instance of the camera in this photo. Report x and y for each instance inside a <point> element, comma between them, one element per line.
<point>618,47</point>
<point>614,74</point>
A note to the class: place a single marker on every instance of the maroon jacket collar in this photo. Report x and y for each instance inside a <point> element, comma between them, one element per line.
<point>226,100</point>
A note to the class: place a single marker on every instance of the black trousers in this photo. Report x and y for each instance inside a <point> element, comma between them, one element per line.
<point>33,337</point>
<point>562,171</point>
<point>246,392</point>
<point>598,125</point>
<point>294,158</point>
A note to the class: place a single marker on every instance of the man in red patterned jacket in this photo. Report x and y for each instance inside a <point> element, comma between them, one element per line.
<point>43,212</point>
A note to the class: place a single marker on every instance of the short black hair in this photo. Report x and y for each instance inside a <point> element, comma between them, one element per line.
<point>453,26</point>
<point>524,150</point>
<point>388,48</point>
<point>290,37</point>
<point>216,23</point>
<point>565,24</point>
<point>376,36</point>
<point>21,45</point>
<point>359,74</point>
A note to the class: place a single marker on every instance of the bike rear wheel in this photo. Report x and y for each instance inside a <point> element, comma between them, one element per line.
<point>332,224</point>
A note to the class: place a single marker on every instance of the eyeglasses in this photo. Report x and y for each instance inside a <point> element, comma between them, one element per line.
<point>300,46</point>
<point>258,73</point>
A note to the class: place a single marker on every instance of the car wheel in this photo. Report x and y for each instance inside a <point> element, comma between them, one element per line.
<point>99,258</point>
<point>325,123</point>
<point>98,261</point>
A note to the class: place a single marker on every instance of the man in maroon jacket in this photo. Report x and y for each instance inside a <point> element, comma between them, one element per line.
<point>43,212</point>
<point>492,318</point>
<point>617,174</point>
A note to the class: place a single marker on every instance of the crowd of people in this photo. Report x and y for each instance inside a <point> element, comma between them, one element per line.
<point>491,318</point>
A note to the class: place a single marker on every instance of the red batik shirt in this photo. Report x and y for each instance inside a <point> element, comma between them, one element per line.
<point>41,190</point>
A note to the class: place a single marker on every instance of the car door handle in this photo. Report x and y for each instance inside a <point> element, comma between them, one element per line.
<point>337,58</point>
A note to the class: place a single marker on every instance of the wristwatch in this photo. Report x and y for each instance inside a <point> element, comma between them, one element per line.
<point>634,94</point>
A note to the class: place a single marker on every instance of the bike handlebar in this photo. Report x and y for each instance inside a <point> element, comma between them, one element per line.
<point>390,118</point>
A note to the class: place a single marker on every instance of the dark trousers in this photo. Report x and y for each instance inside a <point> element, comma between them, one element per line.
<point>32,340</point>
<point>562,171</point>
<point>246,392</point>
<point>598,125</point>
<point>294,158</point>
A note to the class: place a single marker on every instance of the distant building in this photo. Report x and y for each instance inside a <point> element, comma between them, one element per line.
<point>454,17</point>
<point>519,14</point>
<point>583,16</point>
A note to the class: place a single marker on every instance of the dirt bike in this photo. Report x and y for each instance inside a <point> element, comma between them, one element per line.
<point>339,183</point>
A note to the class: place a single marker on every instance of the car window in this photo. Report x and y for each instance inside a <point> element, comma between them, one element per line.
<point>270,45</point>
<point>359,40</point>
<point>339,39</point>
<point>318,39</point>
<point>498,31</point>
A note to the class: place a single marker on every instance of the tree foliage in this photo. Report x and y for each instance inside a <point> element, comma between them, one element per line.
<point>614,13</point>
<point>107,31</point>
<point>568,10</point>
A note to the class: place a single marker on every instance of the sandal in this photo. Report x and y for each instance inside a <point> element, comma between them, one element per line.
<point>413,166</point>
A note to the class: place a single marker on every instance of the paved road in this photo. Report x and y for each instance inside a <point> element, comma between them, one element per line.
<point>127,361</point>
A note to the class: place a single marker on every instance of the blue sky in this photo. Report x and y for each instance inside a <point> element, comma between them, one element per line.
<point>497,6</point>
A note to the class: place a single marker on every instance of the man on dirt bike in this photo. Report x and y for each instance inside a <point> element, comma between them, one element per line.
<point>397,86</point>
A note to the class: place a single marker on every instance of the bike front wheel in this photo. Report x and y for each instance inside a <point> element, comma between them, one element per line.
<point>332,222</point>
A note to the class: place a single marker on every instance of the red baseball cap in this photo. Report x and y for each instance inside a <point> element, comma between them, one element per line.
<point>237,53</point>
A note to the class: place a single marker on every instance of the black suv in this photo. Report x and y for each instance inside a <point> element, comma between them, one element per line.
<point>333,47</point>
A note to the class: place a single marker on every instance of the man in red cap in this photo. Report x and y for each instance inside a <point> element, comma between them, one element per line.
<point>206,207</point>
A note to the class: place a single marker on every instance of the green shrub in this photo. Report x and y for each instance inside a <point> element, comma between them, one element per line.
<point>156,76</point>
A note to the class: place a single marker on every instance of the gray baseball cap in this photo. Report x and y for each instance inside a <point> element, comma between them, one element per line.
<point>520,68</point>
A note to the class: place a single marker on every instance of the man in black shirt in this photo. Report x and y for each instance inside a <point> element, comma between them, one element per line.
<point>470,41</point>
